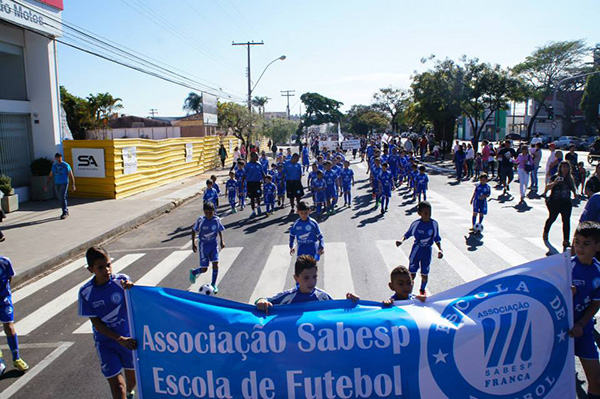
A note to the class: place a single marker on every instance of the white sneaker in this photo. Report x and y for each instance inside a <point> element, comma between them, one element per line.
<point>2,366</point>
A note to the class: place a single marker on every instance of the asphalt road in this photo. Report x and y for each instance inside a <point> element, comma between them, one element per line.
<point>359,253</point>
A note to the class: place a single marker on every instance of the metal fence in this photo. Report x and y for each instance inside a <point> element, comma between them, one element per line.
<point>15,148</point>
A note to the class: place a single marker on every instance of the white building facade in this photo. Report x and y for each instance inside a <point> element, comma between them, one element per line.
<point>30,117</point>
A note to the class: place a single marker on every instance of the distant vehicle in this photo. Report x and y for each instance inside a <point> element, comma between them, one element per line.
<point>514,137</point>
<point>546,139</point>
<point>565,142</point>
<point>588,142</point>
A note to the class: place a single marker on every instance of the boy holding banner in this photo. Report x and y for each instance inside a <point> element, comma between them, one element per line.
<point>305,274</point>
<point>102,299</point>
<point>586,301</point>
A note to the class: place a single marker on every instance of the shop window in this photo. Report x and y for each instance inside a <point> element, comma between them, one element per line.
<point>12,78</point>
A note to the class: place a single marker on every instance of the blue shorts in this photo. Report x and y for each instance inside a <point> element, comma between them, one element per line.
<point>281,190</point>
<point>331,192</point>
<point>347,187</point>
<point>376,185</point>
<point>309,249</point>
<point>386,192</point>
<point>209,252</point>
<point>7,311</point>
<point>480,206</point>
<point>585,346</point>
<point>320,196</point>
<point>114,358</point>
<point>420,258</point>
<point>269,199</point>
<point>421,189</point>
<point>232,198</point>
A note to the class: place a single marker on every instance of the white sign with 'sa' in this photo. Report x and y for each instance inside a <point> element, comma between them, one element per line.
<point>88,162</point>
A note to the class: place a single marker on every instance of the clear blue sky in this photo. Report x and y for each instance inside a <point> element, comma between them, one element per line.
<point>342,49</point>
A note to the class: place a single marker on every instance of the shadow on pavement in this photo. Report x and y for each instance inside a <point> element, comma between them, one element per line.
<point>370,220</point>
<point>473,241</point>
<point>32,223</point>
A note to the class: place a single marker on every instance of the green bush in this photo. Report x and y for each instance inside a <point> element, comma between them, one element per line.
<point>41,167</point>
<point>5,184</point>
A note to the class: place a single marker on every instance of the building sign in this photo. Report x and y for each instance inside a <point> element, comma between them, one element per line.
<point>351,145</point>
<point>189,152</point>
<point>209,109</point>
<point>54,3</point>
<point>129,160</point>
<point>33,15</point>
<point>88,162</point>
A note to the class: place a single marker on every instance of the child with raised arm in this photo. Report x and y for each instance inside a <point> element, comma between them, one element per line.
<point>426,232</point>
<point>305,274</point>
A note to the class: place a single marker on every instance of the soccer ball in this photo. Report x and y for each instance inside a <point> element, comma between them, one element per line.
<point>478,228</point>
<point>207,289</point>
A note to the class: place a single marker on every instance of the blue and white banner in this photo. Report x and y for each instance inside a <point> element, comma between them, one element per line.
<point>504,336</point>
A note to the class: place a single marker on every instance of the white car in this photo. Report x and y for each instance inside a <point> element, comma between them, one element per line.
<point>565,142</point>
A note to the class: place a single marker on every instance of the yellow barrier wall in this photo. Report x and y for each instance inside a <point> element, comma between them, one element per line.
<point>158,162</point>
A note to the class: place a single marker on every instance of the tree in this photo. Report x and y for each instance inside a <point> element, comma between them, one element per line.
<point>279,130</point>
<point>590,103</point>
<point>77,110</point>
<point>319,110</point>
<point>486,89</point>
<point>546,66</point>
<point>393,102</point>
<point>193,103</point>
<point>260,103</point>
<point>364,119</point>
<point>237,120</point>
<point>438,93</point>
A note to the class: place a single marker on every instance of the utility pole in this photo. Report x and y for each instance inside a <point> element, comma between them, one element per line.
<point>288,94</point>
<point>153,111</point>
<point>248,45</point>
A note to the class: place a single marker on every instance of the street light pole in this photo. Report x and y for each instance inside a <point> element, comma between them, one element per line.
<point>282,58</point>
<point>560,84</point>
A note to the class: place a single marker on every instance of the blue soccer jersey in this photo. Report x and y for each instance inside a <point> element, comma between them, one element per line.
<point>479,203</point>
<point>240,176</point>
<point>347,176</point>
<point>106,302</point>
<point>231,186</point>
<point>305,160</point>
<point>421,181</point>
<point>319,186</point>
<point>210,195</point>
<point>6,273</point>
<point>425,233</point>
<point>208,229</point>
<point>254,172</point>
<point>270,191</point>
<point>586,279</point>
<point>292,171</point>
<point>295,296</point>
<point>386,180</point>
<point>312,175</point>
<point>308,234</point>
<point>331,180</point>
<point>264,162</point>
<point>217,188</point>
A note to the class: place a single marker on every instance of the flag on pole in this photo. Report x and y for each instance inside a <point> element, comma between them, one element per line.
<point>340,135</point>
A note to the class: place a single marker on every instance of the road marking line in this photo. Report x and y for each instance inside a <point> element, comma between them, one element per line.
<point>337,275</point>
<point>34,287</point>
<point>394,256</point>
<point>163,268</point>
<point>273,276</point>
<point>60,303</point>
<point>460,263</point>
<point>226,258</point>
<point>187,245</point>
<point>503,251</point>
<point>38,368</point>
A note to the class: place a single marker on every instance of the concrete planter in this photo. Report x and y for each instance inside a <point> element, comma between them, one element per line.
<point>10,203</point>
<point>37,189</point>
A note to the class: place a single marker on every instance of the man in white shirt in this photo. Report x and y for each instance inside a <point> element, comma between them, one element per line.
<point>536,139</point>
<point>551,158</point>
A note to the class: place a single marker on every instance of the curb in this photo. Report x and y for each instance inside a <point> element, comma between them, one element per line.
<point>58,261</point>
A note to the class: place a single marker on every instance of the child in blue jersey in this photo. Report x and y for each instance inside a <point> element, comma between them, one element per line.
<point>479,199</point>
<point>270,190</point>
<point>319,187</point>
<point>210,194</point>
<point>281,187</point>
<point>347,178</point>
<point>7,316</point>
<point>217,189</point>
<point>401,283</point>
<point>231,186</point>
<point>426,231</point>
<point>586,301</point>
<point>421,182</point>
<point>307,233</point>
<point>102,299</point>
<point>386,185</point>
<point>305,159</point>
<point>264,162</point>
<point>208,228</point>
<point>375,174</point>
<point>312,175</point>
<point>331,190</point>
<point>240,176</point>
<point>394,162</point>
<point>305,274</point>
<point>411,179</point>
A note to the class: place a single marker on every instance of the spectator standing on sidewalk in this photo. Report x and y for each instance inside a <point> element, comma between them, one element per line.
<point>61,172</point>
<point>469,158</point>
<point>222,155</point>
<point>485,156</point>
<point>524,166</point>
<point>559,201</point>
<point>536,153</point>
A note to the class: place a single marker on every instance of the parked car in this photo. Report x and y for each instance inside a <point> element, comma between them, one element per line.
<point>565,142</point>
<point>514,137</point>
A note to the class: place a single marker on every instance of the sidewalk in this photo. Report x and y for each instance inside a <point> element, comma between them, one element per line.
<point>37,240</point>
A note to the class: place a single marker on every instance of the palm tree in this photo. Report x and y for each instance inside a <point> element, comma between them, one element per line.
<point>260,102</point>
<point>100,108</point>
<point>193,103</point>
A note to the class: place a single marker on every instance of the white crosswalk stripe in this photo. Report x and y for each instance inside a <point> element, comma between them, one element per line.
<point>394,256</point>
<point>337,275</point>
<point>60,303</point>
<point>45,281</point>
<point>226,258</point>
<point>164,268</point>
<point>460,263</point>
<point>273,276</point>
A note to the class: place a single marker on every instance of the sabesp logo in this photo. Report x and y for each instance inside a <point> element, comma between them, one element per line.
<point>484,346</point>
<point>86,160</point>
<point>504,344</point>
